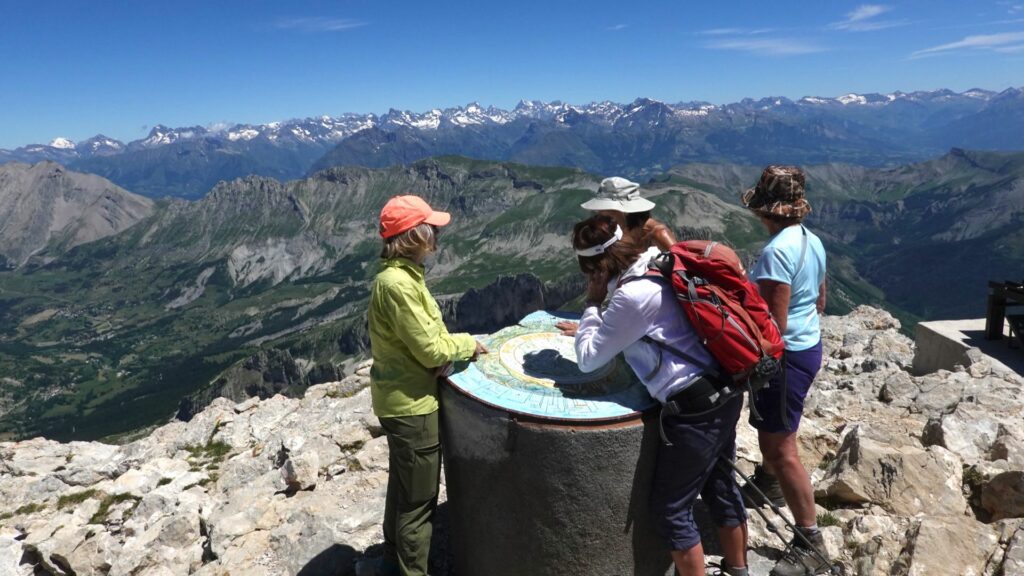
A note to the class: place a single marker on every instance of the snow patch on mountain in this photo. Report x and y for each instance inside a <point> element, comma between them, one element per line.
<point>161,135</point>
<point>698,111</point>
<point>243,134</point>
<point>99,143</point>
<point>847,99</point>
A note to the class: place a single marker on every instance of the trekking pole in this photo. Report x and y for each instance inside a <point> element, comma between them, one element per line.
<point>833,568</point>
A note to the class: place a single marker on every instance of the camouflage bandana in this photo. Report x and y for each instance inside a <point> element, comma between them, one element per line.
<point>780,191</point>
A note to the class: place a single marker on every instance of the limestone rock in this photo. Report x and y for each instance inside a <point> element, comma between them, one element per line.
<point>939,393</point>
<point>875,542</point>
<point>904,480</point>
<point>96,555</point>
<point>873,318</point>
<point>1013,559</point>
<point>300,470</point>
<point>11,553</point>
<point>373,456</point>
<point>246,405</point>
<point>977,363</point>
<point>968,430</point>
<point>890,347</point>
<point>1009,445</point>
<point>172,544</point>
<point>936,545</point>
<point>898,389</point>
<point>1003,495</point>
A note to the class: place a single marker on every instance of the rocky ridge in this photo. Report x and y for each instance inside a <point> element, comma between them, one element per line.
<point>915,474</point>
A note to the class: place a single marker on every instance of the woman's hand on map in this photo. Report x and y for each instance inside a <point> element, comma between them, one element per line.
<point>567,328</point>
<point>480,349</point>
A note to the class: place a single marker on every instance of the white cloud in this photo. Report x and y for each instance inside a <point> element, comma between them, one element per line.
<point>1015,49</point>
<point>318,24</point>
<point>1003,42</point>
<point>864,18</point>
<point>217,127</point>
<point>735,31</point>
<point>618,27</point>
<point>1013,7</point>
<point>765,46</point>
<point>721,31</point>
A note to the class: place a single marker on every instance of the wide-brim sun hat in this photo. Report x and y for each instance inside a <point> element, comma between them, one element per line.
<point>779,192</point>
<point>403,213</point>
<point>618,194</point>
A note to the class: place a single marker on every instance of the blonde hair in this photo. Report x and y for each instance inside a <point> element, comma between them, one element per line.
<point>410,244</point>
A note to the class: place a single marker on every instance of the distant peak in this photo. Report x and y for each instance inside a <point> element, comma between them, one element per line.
<point>647,102</point>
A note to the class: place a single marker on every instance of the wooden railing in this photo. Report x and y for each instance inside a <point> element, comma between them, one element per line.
<point>1001,295</point>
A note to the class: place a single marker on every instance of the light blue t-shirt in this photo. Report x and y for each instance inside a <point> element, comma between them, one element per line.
<point>780,261</point>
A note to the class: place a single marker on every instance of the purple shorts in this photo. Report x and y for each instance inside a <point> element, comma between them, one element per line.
<point>690,467</point>
<point>781,402</point>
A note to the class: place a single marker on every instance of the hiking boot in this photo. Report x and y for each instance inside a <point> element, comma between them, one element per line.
<point>801,560</point>
<point>722,569</point>
<point>768,484</point>
<point>377,567</point>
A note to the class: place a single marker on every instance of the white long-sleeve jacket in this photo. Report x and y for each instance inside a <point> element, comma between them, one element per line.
<point>643,307</point>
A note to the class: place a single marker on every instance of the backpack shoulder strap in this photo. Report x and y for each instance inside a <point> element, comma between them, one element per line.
<point>803,252</point>
<point>662,346</point>
<point>652,273</point>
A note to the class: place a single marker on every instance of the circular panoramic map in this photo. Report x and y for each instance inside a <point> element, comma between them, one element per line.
<point>531,370</point>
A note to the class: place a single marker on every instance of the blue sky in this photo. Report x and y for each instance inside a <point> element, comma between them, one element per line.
<point>78,68</point>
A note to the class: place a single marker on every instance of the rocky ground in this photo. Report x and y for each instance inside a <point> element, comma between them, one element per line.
<point>914,475</point>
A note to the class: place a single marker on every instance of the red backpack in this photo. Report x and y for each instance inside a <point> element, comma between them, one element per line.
<point>725,308</point>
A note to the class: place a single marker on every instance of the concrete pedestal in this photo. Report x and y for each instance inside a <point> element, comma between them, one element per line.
<point>535,498</point>
<point>943,345</point>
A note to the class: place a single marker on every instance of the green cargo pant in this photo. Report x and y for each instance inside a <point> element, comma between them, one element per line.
<point>414,474</point>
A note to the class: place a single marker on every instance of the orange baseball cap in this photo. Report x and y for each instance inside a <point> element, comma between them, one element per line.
<point>403,213</point>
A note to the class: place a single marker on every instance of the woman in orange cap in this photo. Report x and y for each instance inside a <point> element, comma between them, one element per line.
<point>410,346</point>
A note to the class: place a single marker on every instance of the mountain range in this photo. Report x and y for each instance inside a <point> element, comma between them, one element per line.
<point>640,139</point>
<point>259,287</point>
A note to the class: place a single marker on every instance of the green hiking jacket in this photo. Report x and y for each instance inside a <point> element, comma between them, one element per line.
<point>408,339</point>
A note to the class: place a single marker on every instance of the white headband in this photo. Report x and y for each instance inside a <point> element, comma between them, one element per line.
<point>600,248</point>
